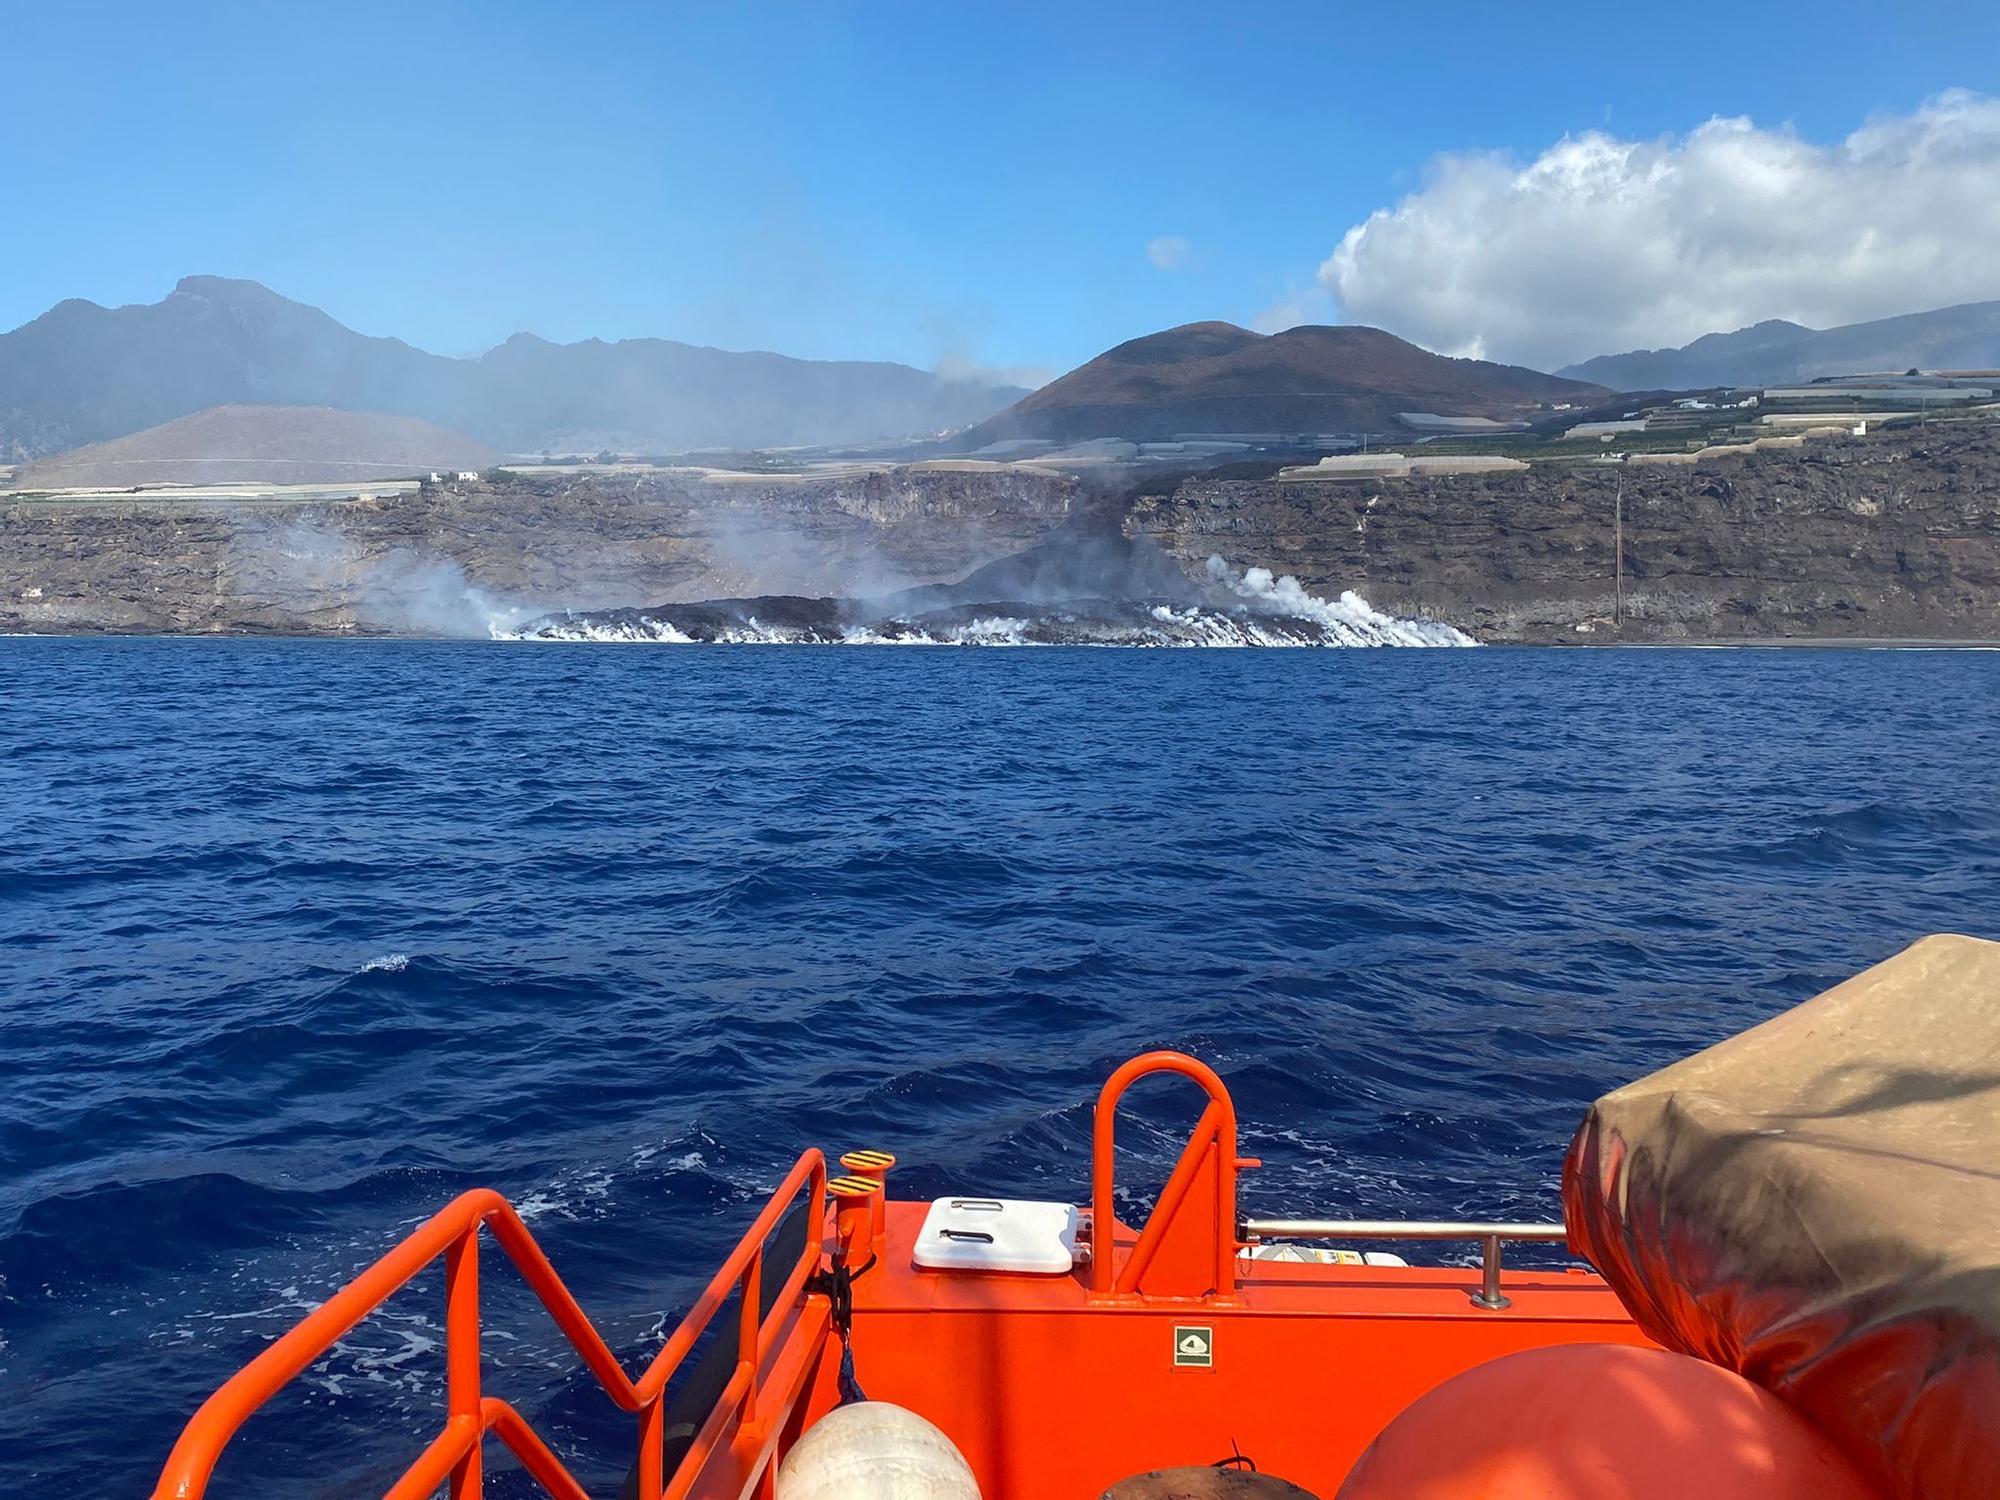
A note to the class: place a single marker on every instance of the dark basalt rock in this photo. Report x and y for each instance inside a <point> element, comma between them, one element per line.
<point>1080,586</point>
<point>1896,534</point>
<point>1892,535</point>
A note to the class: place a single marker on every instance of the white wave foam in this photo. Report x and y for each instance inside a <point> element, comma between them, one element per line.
<point>995,630</point>
<point>577,1194</point>
<point>1276,611</point>
<point>646,631</point>
<point>387,963</point>
<point>1351,620</point>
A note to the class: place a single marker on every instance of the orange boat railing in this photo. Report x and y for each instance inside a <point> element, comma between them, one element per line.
<point>745,1413</point>
<point>1188,1247</point>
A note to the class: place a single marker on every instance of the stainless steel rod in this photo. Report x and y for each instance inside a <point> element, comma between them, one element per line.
<point>1400,1229</point>
<point>1489,1275</point>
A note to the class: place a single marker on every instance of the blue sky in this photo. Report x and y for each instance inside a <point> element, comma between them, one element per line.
<point>923,182</point>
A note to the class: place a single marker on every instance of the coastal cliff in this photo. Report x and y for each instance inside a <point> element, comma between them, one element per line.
<point>1889,535</point>
<point>447,557</point>
<point>1893,535</point>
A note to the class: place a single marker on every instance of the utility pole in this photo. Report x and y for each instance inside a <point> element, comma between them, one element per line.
<point>1618,556</point>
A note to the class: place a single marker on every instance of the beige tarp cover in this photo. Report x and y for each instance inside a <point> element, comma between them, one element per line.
<point>1816,1203</point>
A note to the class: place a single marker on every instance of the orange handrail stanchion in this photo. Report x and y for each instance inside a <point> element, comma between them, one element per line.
<point>652,1446</point>
<point>461,1352</point>
<point>748,1309</point>
<point>455,1454</point>
<point>1211,1149</point>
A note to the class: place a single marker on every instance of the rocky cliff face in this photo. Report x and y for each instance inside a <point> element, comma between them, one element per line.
<point>1890,535</point>
<point>446,559</point>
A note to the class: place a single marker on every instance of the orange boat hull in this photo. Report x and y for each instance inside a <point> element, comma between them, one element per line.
<point>1158,1347</point>
<point>1049,1392</point>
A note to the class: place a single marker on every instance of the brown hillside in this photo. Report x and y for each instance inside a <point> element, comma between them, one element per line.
<point>1216,377</point>
<point>262,445</point>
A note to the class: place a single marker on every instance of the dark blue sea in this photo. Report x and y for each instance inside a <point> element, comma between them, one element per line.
<point>298,939</point>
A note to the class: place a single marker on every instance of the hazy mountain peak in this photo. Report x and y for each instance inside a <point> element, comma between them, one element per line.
<point>223,287</point>
<point>1774,351</point>
<point>82,373</point>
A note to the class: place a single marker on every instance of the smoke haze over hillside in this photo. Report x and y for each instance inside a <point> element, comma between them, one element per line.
<point>83,373</point>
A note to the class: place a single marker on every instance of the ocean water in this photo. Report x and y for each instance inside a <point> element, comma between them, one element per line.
<point>297,939</point>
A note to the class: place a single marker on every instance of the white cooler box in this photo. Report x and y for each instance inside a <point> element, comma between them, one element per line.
<point>998,1234</point>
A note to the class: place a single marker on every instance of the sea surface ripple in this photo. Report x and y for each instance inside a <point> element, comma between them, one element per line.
<point>298,939</point>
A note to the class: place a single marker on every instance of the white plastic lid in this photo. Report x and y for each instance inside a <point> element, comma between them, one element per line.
<point>998,1234</point>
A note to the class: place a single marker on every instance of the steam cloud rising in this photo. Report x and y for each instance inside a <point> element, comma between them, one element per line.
<point>311,569</point>
<point>1084,595</point>
<point>1601,245</point>
<point>1072,588</point>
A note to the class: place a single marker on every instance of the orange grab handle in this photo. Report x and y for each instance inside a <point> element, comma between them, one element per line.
<point>1216,1132</point>
<point>454,1454</point>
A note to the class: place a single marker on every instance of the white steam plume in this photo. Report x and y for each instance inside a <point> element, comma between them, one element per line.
<point>319,573</point>
<point>1350,620</point>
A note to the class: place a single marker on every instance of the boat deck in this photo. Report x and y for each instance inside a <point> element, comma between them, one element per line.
<point>1053,1390</point>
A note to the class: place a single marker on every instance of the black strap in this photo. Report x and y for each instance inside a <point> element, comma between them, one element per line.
<point>837,1285</point>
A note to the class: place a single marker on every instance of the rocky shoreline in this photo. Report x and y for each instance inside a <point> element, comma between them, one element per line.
<point>1889,537</point>
<point>1892,536</point>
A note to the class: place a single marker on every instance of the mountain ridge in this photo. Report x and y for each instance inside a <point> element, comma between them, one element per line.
<point>1217,377</point>
<point>84,373</point>
<point>1963,336</point>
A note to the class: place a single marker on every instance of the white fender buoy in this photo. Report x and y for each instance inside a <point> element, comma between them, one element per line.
<point>875,1450</point>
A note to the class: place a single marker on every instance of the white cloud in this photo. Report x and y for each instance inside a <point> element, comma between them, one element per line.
<point>1601,245</point>
<point>1168,252</point>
